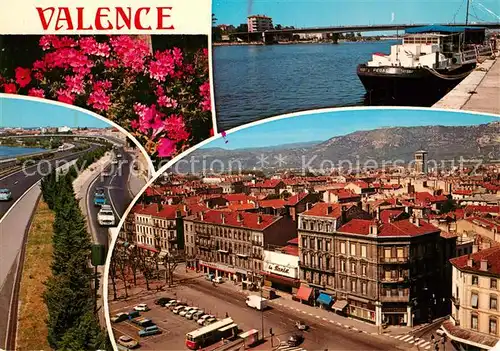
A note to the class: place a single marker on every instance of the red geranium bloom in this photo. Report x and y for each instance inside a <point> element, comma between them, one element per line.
<point>166,147</point>
<point>23,76</point>
<point>36,92</point>
<point>10,88</point>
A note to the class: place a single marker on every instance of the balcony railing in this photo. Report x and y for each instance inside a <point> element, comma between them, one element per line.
<point>394,260</point>
<point>393,279</point>
<point>397,298</point>
<point>316,267</point>
<point>256,243</point>
<point>256,256</point>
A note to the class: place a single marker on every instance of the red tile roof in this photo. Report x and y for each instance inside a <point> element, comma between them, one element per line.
<point>323,209</point>
<point>397,228</point>
<point>268,183</point>
<point>428,197</point>
<point>385,215</point>
<point>274,203</point>
<point>485,222</point>
<point>482,209</point>
<point>249,220</point>
<point>462,192</point>
<point>294,241</point>
<point>241,207</point>
<point>239,198</point>
<point>491,255</point>
<point>291,250</point>
<point>343,194</point>
<point>295,199</point>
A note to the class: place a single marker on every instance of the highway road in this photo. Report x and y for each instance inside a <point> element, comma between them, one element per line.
<point>117,192</point>
<point>20,181</point>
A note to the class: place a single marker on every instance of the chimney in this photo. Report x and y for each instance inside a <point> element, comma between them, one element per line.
<point>185,208</point>
<point>470,262</point>
<point>223,218</point>
<point>475,248</point>
<point>240,217</point>
<point>343,214</point>
<point>308,206</point>
<point>202,217</point>
<point>484,265</point>
<point>417,222</point>
<point>329,209</point>
<point>378,213</point>
<point>259,219</point>
<point>374,229</point>
<point>178,214</point>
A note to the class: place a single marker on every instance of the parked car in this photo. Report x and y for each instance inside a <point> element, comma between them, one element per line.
<point>295,340</point>
<point>197,315</point>
<point>218,280</point>
<point>171,303</point>
<point>143,322</point>
<point>203,318</point>
<point>128,342</point>
<point>133,314</point>
<point>5,195</point>
<point>186,310</point>
<point>162,301</point>
<point>151,330</point>
<point>178,309</point>
<point>141,307</point>
<point>190,314</point>
<point>119,317</point>
<point>210,320</point>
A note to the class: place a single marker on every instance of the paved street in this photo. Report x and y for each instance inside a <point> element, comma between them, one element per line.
<point>216,300</point>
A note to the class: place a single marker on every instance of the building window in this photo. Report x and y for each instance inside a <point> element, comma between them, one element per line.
<point>363,270</point>
<point>353,267</point>
<point>473,321</point>
<point>342,283</point>
<point>493,326</point>
<point>320,242</point>
<point>493,303</point>
<point>363,251</point>
<point>353,285</point>
<point>342,248</point>
<point>474,300</point>
<point>493,283</point>
<point>327,248</point>
<point>342,266</point>
<point>353,250</point>
<point>400,253</point>
<point>387,253</point>
<point>363,288</point>
<point>304,242</point>
<point>475,280</point>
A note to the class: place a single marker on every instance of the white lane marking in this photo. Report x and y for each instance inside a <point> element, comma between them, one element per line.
<point>421,341</point>
<point>428,347</point>
<point>398,336</point>
<point>18,199</point>
<point>406,338</point>
<point>427,343</point>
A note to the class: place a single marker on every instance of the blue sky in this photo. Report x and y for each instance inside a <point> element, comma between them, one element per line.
<point>322,126</point>
<point>310,13</point>
<point>25,113</point>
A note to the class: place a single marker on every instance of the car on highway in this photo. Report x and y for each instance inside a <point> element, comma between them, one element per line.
<point>186,310</point>
<point>105,216</point>
<point>119,317</point>
<point>203,318</point>
<point>151,330</point>
<point>99,199</point>
<point>127,342</point>
<point>5,195</point>
<point>141,307</point>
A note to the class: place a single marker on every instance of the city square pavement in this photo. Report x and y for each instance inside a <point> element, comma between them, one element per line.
<point>324,333</point>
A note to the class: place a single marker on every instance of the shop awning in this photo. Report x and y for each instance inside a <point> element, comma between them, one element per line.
<point>324,299</point>
<point>304,293</point>
<point>339,305</point>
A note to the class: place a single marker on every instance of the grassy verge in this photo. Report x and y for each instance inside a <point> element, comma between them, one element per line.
<point>32,328</point>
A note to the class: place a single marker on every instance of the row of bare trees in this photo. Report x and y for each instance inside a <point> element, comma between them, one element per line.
<point>130,262</point>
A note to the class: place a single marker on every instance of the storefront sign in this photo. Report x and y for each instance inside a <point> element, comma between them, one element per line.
<point>217,266</point>
<point>281,264</point>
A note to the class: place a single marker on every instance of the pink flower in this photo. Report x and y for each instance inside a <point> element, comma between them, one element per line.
<point>130,51</point>
<point>90,46</point>
<point>111,63</point>
<point>102,85</point>
<point>176,129</point>
<point>149,118</point>
<point>63,42</point>
<point>63,95</point>
<point>10,88</point>
<point>23,76</point>
<point>75,84</point>
<point>46,42</point>
<point>39,65</point>
<point>206,103</point>
<point>36,92</point>
<point>162,66</point>
<point>99,100</point>
<point>166,147</point>
<point>165,101</point>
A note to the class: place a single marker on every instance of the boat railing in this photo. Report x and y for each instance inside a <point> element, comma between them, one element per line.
<point>469,56</point>
<point>484,50</point>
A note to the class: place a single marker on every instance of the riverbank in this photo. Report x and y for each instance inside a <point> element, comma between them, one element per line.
<point>478,92</point>
<point>244,43</point>
<point>10,152</point>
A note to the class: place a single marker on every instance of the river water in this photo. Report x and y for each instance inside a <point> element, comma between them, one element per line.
<point>254,82</point>
<point>11,151</point>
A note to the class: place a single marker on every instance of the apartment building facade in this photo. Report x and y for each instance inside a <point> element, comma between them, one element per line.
<point>259,23</point>
<point>475,317</point>
<point>231,243</point>
<point>381,272</point>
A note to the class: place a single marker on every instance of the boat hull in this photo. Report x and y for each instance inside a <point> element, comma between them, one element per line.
<point>410,86</point>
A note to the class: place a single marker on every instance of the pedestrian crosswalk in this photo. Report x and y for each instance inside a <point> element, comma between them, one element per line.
<point>412,340</point>
<point>290,348</point>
